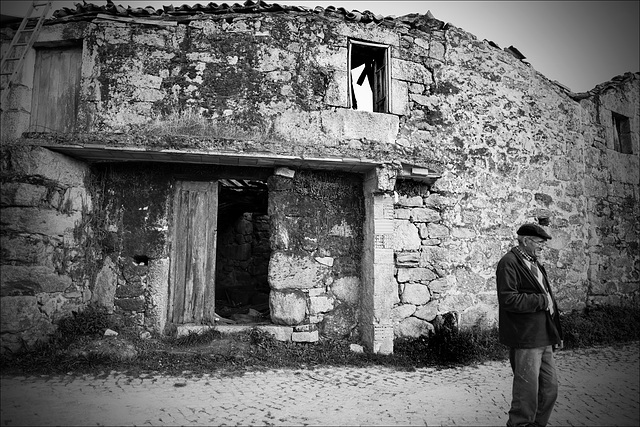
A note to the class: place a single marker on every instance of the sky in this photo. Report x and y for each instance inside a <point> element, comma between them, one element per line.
<point>579,44</point>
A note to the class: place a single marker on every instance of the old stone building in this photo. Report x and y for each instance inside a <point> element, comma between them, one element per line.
<point>319,172</point>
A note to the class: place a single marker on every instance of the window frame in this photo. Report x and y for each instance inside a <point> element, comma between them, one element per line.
<point>621,131</point>
<point>387,71</point>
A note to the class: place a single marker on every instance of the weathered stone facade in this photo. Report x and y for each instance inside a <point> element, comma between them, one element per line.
<point>380,223</point>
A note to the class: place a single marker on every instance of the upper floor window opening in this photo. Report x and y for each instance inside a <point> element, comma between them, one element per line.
<point>369,76</point>
<point>621,133</point>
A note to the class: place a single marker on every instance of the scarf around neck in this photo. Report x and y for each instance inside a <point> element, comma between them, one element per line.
<point>525,255</point>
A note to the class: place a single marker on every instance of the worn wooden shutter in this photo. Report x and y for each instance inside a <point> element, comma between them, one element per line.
<point>380,87</point>
<point>56,88</point>
<point>193,254</point>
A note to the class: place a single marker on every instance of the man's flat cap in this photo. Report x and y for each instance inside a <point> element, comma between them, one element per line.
<point>533,230</point>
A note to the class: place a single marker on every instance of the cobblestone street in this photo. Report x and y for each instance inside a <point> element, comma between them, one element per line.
<point>598,387</point>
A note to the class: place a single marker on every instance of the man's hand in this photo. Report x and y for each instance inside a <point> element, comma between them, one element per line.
<point>551,310</point>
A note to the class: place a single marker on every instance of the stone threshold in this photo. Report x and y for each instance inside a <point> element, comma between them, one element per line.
<point>279,332</point>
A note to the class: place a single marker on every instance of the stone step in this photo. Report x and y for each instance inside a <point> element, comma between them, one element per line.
<point>280,333</point>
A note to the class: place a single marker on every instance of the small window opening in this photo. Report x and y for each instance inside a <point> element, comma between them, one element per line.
<point>621,133</point>
<point>141,260</point>
<point>369,77</point>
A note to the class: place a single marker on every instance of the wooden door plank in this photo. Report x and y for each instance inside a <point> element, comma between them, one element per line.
<point>173,255</point>
<point>199,234</point>
<point>56,89</point>
<point>68,98</point>
<point>209,303</point>
<point>48,101</point>
<point>187,316</point>
<point>39,92</point>
<point>182,222</point>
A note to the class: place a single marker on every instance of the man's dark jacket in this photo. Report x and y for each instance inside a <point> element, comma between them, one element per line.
<point>524,321</point>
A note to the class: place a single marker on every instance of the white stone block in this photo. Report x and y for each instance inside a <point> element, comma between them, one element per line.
<point>410,71</point>
<point>315,292</point>
<point>280,333</point>
<point>415,293</point>
<point>399,97</point>
<point>315,319</point>
<point>304,336</point>
<point>354,124</point>
<point>356,348</point>
<point>412,327</point>
<point>286,172</point>
<point>328,261</point>
<point>415,275</point>
<point>405,237</point>
<point>288,271</point>
<point>401,312</point>
<point>427,312</point>
<point>424,215</point>
<point>320,304</point>
<point>288,308</point>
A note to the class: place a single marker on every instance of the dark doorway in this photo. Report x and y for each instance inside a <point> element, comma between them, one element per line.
<point>243,252</point>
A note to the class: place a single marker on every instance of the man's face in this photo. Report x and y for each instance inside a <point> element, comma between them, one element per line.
<point>534,245</point>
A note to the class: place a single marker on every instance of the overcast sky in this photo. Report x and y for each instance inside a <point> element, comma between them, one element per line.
<point>580,44</point>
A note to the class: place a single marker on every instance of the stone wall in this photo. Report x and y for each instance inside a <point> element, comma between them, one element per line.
<point>132,232</point>
<point>316,237</point>
<point>611,180</point>
<point>44,209</point>
<point>509,145</point>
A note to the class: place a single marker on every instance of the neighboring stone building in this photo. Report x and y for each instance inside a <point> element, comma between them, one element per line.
<point>169,163</point>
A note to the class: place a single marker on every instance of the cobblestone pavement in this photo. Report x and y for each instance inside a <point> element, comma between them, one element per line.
<point>598,387</point>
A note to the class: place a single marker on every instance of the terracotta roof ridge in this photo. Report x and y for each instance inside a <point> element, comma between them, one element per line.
<point>88,11</point>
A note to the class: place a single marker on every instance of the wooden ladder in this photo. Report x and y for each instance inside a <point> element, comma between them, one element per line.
<point>22,41</point>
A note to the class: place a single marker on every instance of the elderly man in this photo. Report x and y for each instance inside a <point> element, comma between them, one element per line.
<point>530,326</point>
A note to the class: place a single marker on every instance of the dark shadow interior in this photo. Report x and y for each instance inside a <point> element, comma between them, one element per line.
<point>242,253</point>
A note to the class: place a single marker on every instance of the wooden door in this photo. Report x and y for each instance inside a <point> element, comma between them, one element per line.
<point>56,89</point>
<point>193,253</point>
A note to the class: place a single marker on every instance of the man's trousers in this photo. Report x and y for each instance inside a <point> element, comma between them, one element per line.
<point>535,386</point>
